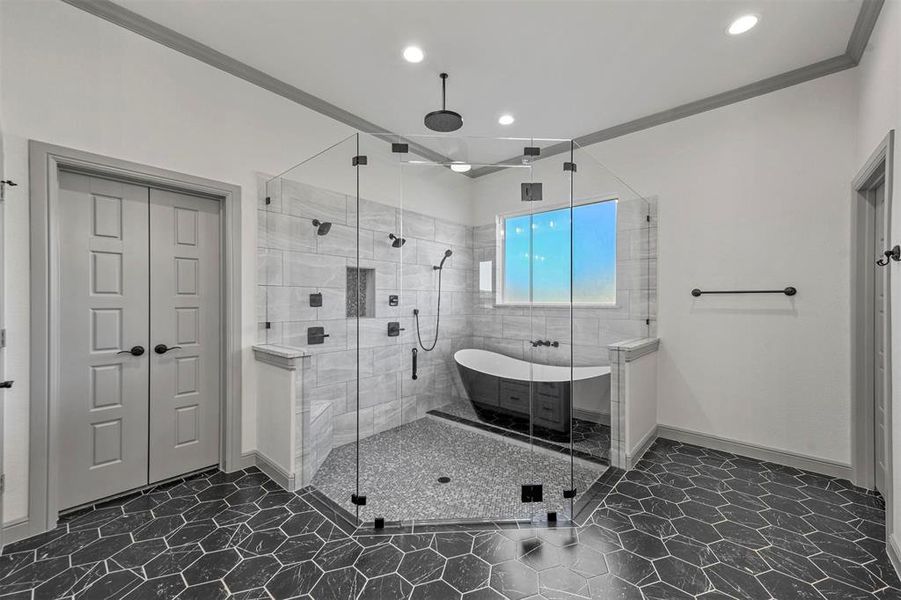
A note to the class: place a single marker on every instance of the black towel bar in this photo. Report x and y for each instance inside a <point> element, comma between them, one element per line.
<point>789,291</point>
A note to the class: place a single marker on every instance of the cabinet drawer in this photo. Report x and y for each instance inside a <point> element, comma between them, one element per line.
<point>514,396</point>
<point>548,410</point>
<point>545,388</point>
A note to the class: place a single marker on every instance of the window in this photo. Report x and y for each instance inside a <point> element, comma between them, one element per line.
<point>545,237</point>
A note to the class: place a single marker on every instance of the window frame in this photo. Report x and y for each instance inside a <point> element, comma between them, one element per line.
<point>500,253</point>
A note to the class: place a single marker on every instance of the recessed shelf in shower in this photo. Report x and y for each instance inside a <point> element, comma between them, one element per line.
<point>360,289</point>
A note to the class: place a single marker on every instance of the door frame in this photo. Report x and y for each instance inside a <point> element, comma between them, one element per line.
<point>877,170</point>
<point>45,161</point>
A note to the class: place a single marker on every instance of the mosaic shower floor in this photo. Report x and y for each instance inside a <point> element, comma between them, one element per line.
<point>399,471</point>
<point>589,440</point>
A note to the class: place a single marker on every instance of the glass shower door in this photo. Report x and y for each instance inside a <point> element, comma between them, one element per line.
<point>307,247</point>
<point>381,330</point>
<point>548,199</point>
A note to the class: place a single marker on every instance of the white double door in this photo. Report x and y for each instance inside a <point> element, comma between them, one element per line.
<point>139,329</point>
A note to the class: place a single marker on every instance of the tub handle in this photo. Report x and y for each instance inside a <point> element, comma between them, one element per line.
<point>415,354</point>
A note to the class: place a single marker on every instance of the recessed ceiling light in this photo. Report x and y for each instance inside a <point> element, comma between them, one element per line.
<point>413,54</point>
<point>506,120</point>
<point>743,24</point>
<point>459,167</point>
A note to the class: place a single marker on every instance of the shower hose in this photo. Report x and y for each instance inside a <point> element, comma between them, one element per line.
<point>437,319</point>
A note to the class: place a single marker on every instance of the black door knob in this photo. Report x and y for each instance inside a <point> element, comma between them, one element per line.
<point>134,351</point>
<point>163,348</point>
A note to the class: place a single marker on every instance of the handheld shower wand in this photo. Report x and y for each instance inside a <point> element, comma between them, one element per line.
<point>439,268</point>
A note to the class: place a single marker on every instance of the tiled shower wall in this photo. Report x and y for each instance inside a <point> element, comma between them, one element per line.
<point>294,262</point>
<point>509,329</point>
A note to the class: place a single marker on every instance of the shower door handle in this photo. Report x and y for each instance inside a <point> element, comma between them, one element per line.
<point>415,354</point>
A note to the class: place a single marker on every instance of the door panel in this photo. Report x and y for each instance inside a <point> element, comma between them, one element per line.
<point>879,324</point>
<point>102,413</point>
<point>185,306</point>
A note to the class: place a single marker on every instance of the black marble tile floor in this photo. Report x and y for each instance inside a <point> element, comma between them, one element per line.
<point>687,523</point>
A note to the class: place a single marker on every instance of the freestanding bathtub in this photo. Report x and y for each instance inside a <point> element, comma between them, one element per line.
<point>499,384</point>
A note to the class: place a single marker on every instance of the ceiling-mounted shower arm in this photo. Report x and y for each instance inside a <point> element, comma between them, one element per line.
<point>443,120</point>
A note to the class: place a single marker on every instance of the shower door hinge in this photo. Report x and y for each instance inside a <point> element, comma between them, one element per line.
<point>569,493</point>
<point>531,151</point>
<point>2,338</point>
<point>647,218</point>
<point>532,492</point>
<point>647,321</point>
<point>569,166</point>
<point>358,500</point>
<point>359,160</point>
<point>2,483</point>
<point>400,148</point>
<point>268,200</point>
<point>531,192</point>
<point>268,325</point>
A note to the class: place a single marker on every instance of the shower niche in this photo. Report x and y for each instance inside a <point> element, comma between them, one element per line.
<point>360,292</point>
<point>415,250</point>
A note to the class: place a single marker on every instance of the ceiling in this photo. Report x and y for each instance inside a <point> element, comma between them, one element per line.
<point>563,69</point>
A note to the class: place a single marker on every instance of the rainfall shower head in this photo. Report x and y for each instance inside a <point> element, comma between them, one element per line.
<point>322,228</point>
<point>398,241</point>
<point>443,120</point>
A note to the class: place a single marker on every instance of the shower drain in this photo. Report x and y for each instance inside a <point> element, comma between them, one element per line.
<point>444,480</point>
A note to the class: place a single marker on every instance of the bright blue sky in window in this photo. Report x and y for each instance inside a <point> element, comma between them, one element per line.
<point>594,255</point>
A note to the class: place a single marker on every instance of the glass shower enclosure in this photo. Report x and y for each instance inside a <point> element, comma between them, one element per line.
<point>456,297</point>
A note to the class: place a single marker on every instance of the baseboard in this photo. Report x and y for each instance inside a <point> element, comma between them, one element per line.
<point>18,530</point>
<point>891,548</point>
<point>248,459</point>
<point>782,457</point>
<point>643,446</point>
<point>255,458</point>
<point>592,416</point>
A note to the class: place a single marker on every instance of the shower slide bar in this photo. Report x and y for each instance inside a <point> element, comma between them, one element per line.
<point>789,291</point>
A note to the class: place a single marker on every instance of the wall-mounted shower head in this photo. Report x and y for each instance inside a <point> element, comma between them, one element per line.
<point>447,254</point>
<point>397,241</point>
<point>322,227</point>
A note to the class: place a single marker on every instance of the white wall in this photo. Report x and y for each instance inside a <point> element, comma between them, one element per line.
<point>753,195</point>
<point>641,403</point>
<point>72,79</point>
<point>879,80</point>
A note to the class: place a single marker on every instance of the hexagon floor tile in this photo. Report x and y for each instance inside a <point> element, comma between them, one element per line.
<point>687,522</point>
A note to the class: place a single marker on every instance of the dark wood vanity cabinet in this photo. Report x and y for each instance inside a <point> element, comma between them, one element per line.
<point>547,403</point>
